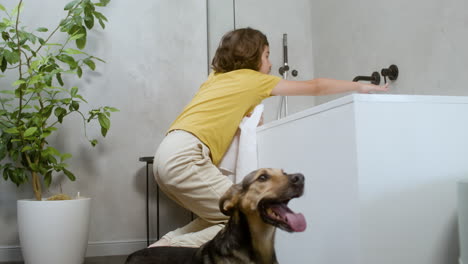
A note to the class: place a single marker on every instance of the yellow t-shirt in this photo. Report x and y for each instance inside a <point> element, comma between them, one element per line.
<point>217,109</point>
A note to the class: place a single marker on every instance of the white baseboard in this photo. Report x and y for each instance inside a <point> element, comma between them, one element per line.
<point>95,249</point>
<point>10,253</point>
<point>112,248</point>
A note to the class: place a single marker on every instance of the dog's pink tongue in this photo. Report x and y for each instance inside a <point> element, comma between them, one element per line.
<point>297,222</point>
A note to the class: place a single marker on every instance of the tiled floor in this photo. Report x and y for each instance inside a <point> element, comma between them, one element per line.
<point>106,260</point>
<point>93,260</point>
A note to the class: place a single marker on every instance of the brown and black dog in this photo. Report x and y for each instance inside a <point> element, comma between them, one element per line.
<point>256,206</point>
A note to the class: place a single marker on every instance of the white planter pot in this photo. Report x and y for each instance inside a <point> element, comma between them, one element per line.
<point>463,220</point>
<point>54,232</point>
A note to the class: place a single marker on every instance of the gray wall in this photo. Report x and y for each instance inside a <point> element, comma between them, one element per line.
<point>274,18</point>
<point>426,39</point>
<point>156,53</point>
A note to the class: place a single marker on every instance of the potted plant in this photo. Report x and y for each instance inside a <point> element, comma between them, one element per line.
<point>31,110</point>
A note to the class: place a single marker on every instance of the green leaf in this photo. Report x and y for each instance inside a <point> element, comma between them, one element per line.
<point>6,174</point>
<point>79,71</point>
<point>73,51</point>
<point>35,167</point>
<point>60,113</point>
<point>69,174</point>
<point>53,44</point>
<point>101,60</point>
<point>77,19</point>
<point>12,130</point>
<point>104,121</point>
<point>70,5</point>
<point>5,36</point>
<point>35,79</point>
<point>74,106</point>
<point>100,16</point>
<point>31,38</point>
<point>52,159</point>
<point>81,98</point>
<point>3,150</point>
<point>26,148</point>
<point>81,43</point>
<point>45,134</point>
<point>102,2</point>
<point>35,64</point>
<point>112,109</point>
<point>90,63</point>
<point>59,79</point>
<point>65,156</point>
<point>104,131</point>
<point>89,21</point>
<point>42,29</point>
<point>68,60</point>
<point>93,142</point>
<point>18,82</point>
<point>2,8</point>
<point>4,64</point>
<point>48,179</point>
<point>47,111</point>
<point>14,177</point>
<point>30,131</point>
<point>74,91</point>
<point>77,36</point>
<point>12,57</point>
<point>7,92</point>
<point>102,24</point>
<point>51,151</point>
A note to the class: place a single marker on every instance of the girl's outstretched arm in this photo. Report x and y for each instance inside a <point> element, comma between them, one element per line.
<point>322,86</point>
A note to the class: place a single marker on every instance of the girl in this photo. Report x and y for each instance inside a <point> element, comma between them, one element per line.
<point>185,164</point>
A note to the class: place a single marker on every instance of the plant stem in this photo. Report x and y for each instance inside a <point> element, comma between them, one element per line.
<point>20,68</point>
<point>36,186</point>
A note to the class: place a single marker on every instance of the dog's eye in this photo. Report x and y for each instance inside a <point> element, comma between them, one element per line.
<point>263,177</point>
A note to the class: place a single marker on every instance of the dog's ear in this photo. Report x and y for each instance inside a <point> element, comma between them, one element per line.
<point>229,200</point>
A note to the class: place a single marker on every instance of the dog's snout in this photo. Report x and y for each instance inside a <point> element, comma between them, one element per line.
<point>297,179</point>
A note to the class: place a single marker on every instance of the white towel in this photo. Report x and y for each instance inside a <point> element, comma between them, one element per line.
<point>241,157</point>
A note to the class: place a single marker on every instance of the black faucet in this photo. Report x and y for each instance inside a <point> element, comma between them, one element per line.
<point>374,78</point>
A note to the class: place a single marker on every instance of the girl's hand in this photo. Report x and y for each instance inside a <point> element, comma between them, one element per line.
<point>368,88</point>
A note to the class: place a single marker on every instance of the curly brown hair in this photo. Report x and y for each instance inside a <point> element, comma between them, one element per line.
<point>240,49</point>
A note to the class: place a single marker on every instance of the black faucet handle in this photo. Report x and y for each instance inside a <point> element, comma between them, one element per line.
<point>283,69</point>
<point>391,72</point>
<point>375,78</point>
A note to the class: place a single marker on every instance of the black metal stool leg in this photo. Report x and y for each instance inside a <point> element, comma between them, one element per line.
<point>157,211</point>
<point>147,206</point>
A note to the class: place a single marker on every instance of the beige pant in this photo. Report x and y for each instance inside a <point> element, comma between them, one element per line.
<point>184,172</point>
